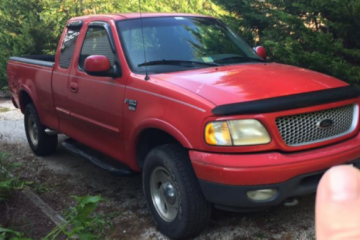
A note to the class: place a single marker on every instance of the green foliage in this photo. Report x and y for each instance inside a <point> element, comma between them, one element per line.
<point>7,234</point>
<point>317,35</point>
<point>8,183</point>
<point>2,110</point>
<point>40,188</point>
<point>34,26</point>
<point>320,35</point>
<point>81,222</point>
<point>22,31</point>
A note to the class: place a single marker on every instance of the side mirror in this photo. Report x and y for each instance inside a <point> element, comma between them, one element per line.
<point>261,51</point>
<point>98,65</point>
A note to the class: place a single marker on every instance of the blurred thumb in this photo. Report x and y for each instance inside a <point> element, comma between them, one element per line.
<point>338,205</point>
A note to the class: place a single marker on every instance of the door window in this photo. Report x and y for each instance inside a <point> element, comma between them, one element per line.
<point>96,43</point>
<point>67,48</point>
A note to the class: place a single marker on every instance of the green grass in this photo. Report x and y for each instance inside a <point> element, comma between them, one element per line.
<point>3,110</point>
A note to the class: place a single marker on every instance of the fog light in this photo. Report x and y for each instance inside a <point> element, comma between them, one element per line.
<point>261,195</point>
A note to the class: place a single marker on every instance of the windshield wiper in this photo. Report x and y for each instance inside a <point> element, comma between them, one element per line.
<point>239,58</point>
<point>176,63</point>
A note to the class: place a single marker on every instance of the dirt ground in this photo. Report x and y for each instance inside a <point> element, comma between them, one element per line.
<point>63,175</point>
<point>20,214</point>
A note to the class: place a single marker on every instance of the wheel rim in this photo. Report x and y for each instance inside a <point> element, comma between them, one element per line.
<point>164,194</point>
<point>33,130</point>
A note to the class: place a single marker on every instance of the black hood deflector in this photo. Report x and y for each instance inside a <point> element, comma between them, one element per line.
<point>284,103</point>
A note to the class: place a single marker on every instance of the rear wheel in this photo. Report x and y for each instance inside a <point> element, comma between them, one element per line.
<point>173,193</point>
<point>40,142</point>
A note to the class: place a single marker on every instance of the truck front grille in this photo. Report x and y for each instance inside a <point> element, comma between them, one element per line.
<point>303,129</point>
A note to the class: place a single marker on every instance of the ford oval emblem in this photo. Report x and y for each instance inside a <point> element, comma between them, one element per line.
<point>325,123</point>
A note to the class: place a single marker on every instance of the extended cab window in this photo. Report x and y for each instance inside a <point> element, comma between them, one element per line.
<point>67,48</point>
<point>96,43</point>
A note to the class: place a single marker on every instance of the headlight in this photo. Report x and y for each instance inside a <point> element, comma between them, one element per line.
<point>236,133</point>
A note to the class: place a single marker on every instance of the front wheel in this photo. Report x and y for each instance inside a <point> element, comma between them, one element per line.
<point>173,193</point>
<point>40,142</point>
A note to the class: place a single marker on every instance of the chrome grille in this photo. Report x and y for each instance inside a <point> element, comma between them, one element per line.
<point>303,129</point>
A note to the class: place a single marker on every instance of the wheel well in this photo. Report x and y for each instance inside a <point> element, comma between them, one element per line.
<point>25,99</point>
<point>149,139</point>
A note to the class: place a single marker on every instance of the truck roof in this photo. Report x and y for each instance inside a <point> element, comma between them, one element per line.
<point>123,16</point>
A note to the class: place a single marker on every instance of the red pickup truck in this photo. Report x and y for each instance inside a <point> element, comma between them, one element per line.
<point>184,100</point>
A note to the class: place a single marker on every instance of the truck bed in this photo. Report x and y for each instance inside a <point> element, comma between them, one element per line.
<point>41,60</point>
<point>33,74</point>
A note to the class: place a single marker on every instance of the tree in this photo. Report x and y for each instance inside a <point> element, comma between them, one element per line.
<point>35,26</point>
<point>318,35</point>
<point>22,31</point>
<point>321,35</point>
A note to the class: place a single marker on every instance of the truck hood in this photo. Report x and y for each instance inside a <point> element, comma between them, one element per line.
<point>248,82</point>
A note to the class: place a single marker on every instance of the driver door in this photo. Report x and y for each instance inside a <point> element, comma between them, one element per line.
<point>96,103</point>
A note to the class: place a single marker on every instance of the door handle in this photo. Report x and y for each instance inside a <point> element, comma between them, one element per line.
<point>74,87</point>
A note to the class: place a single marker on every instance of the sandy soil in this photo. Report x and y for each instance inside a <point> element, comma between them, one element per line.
<point>63,175</point>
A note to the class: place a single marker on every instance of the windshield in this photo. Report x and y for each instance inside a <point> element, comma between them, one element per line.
<point>181,43</point>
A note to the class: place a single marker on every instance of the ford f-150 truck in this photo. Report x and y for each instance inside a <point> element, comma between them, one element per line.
<point>184,100</point>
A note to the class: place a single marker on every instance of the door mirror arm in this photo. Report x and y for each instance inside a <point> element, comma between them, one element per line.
<point>115,71</point>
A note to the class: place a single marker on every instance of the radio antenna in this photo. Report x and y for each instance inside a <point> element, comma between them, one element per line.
<point>147,77</point>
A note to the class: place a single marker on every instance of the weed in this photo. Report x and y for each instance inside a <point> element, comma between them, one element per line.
<point>8,183</point>
<point>39,188</point>
<point>6,234</point>
<point>3,110</point>
<point>82,223</point>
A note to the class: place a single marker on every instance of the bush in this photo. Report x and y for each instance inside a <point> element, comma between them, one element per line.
<point>318,35</point>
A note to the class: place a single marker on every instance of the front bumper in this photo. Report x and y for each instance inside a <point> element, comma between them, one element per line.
<point>225,179</point>
<point>234,198</point>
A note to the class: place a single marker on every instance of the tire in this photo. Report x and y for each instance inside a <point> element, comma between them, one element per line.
<point>170,164</point>
<point>40,143</point>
